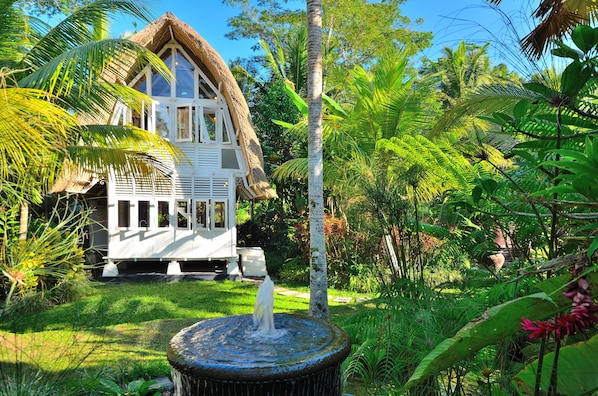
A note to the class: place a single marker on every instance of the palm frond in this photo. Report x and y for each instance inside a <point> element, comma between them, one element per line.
<point>32,127</point>
<point>77,29</point>
<point>127,162</point>
<point>441,167</point>
<point>12,36</point>
<point>292,169</point>
<point>95,104</point>
<point>485,100</point>
<point>131,139</point>
<point>83,66</point>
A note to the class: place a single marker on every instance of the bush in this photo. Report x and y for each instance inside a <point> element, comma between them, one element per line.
<point>49,259</point>
<point>388,342</point>
<point>294,271</point>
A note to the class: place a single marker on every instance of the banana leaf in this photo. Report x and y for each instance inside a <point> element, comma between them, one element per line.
<point>577,368</point>
<point>496,323</point>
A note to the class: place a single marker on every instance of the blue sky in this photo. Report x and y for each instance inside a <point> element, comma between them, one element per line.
<point>449,20</point>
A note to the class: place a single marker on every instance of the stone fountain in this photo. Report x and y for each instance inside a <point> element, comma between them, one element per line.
<point>263,354</point>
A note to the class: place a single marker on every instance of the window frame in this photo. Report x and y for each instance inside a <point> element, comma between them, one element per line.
<point>148,213</point>
<point>188,215</point>
<point>224,213</point>
<point>123,213</point>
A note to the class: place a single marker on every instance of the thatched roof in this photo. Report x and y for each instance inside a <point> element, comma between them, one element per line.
<point>167,27</point>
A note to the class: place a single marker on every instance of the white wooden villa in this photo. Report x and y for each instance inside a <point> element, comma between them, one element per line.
<point>178,224</point>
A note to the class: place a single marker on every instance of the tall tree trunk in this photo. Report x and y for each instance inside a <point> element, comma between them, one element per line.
<point>318,304</point>
<point>23,221</point>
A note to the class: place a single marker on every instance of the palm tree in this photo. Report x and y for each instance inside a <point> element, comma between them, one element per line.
<point>288,61</point>
<point>74,62</point>
<point>377,140</point>
<point>78,75</point>
<point>55,82</point>
<point>558,18</point>
<point>318,303</point>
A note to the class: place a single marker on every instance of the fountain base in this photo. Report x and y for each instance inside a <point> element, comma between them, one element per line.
<point>225,356</point>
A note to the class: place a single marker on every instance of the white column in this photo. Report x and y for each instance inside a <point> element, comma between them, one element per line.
<point>110,270</point>
<point>174,268</point>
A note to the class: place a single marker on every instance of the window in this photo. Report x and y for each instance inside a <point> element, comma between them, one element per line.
<point>161,87</point>
<point>205,91</point>
<point>185,75</point>
<point>163,214</point>
<point>201,214</point>
<point>225,127</point>
<point>124,216</point>
<point>229,159</point>
<point>183,215</point>
<point>219,214</point>
<point>163,121</point>
<point>143,214</point>
<point>184,124</point>
<point>140,120</point>
<point>208,125</point>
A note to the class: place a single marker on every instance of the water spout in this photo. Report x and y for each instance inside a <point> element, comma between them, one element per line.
<point>249,356</point>
<point>263,311</point>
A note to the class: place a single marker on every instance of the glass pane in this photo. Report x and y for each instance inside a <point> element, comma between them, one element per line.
<point>124,214</point>
<point>143,214</point>
<point>141,85</point>
<point>161,87</point>
<point>163,121</point>
<point>183,130</point>
<point>163,214</point>
<point>184,76</point>
<point>229,159</point>
<point>140,120</point>
<point>201,213</point>
<point>205,91</point>
<point>183,214</point>
<point>210,124</point>
<point>219,215</point>
<point>194,123</point>
<point>225,131</point>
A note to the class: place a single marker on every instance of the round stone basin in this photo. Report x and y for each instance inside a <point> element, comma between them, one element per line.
<point>229,350</point>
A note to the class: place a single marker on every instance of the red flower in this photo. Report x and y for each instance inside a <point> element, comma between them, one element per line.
<point>539,328</point>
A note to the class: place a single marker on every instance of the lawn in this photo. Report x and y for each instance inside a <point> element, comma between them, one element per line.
<point>121,330</point>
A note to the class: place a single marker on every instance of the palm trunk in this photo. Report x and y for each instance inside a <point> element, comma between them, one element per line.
<point>318,304</point>
<point>24,221</point>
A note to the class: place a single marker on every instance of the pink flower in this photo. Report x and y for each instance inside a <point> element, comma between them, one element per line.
<point>539,328</point>
<point>581,317</point>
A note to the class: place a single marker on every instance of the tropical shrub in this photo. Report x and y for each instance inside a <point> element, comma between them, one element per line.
<point>388,341</point>
<point>51,260</point>
<point>554,183</point>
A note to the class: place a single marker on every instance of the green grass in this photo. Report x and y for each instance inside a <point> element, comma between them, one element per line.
<point>121,331</point>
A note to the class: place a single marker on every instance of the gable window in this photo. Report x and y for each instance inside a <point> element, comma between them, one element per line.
<point>161,87</point>
<point>187,109</point>
<point>185,76</point>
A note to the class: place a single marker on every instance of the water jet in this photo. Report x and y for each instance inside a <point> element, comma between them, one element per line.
<point>262,354</point>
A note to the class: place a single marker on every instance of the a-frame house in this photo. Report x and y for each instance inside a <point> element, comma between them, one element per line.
<point>176,223</point>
